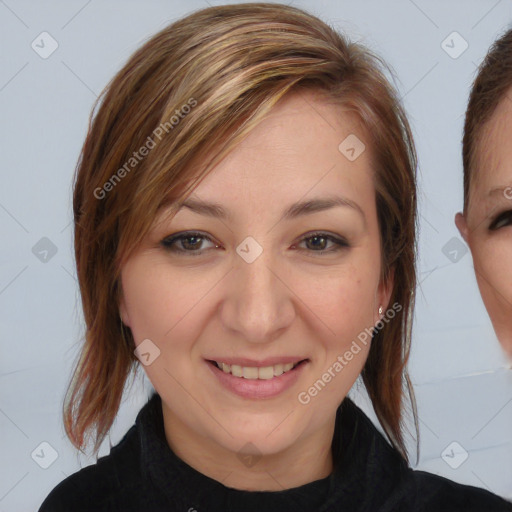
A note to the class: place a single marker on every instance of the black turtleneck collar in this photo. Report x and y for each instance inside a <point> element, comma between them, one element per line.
<point>142,473</point>
<point>359,453</point>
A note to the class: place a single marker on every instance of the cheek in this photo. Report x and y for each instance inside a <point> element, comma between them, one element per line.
<point>342,299</point>
<point>156,298</point>
<point>493,264</point>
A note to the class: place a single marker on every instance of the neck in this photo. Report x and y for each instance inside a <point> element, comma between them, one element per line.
<point>305,461</point>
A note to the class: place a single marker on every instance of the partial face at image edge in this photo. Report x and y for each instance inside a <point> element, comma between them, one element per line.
<point>486,226</point>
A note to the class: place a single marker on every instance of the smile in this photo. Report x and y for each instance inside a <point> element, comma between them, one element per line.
<point>255,372</point>
<point>257,382</point>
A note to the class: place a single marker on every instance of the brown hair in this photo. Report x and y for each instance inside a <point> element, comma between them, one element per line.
<point>230,64</point>
<point>493,81</point>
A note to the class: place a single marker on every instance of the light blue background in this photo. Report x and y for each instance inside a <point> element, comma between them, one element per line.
<point>463,385</point>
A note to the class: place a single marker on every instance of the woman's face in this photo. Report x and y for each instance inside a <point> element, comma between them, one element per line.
<point>255,289</point>
<point>487,226</point>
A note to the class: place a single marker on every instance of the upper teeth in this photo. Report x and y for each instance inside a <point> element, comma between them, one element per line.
<point>252,372</point>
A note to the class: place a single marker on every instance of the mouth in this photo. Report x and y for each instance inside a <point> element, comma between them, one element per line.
<point>257,372</point>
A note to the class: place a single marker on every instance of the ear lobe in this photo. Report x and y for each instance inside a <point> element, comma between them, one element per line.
<point>460,222</point>
<point>386,289</point>
<point>123,313</point>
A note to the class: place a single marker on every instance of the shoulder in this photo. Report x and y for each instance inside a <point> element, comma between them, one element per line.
<point>391,485</point>
<point>426,491</point>
<point>93,487</point>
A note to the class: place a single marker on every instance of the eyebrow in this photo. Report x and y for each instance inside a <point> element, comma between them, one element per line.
<point>293,211</point>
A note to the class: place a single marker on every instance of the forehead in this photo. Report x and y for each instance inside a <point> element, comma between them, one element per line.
<point>295,151</point>
<point>494,153</point>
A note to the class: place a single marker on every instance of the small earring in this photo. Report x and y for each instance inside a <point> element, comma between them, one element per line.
<point>380,310</point>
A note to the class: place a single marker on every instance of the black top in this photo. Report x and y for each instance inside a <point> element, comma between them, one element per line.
<point>143,474</point>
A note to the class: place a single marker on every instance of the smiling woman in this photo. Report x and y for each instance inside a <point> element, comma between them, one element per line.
<point>250,258</point>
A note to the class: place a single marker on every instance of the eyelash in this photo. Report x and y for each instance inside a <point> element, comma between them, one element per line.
<point>168,242</point>
<point>500,217</point>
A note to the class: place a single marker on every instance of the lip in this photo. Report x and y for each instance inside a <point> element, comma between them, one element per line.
<point>270,361</point>
<point>258,388</point>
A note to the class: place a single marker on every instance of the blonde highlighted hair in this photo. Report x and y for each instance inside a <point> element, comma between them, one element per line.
<point>235,62</point>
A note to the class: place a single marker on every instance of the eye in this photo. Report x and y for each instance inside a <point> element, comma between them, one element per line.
<point>190,243</point>
<point>319,241</point>
<point>501,220</point>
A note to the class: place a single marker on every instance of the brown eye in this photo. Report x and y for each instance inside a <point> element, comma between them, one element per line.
<point>317,242</point>
<point>502,220</point>
<point>186,243</point>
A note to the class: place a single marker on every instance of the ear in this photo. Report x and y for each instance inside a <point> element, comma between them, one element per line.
<point>385,290</point>
<point>462,226</point>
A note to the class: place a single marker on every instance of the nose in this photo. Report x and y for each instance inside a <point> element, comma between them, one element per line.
<point>258,303</point>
